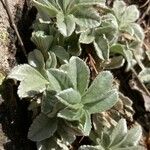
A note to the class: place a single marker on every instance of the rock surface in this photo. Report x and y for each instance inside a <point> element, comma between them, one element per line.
<point>7,45</point>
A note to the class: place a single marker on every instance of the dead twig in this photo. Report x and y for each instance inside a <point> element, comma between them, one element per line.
<point>139,80</point>
<point>148,1</point>
<point>146,12</point>
<point>92,62</point>
<point>12,23</point>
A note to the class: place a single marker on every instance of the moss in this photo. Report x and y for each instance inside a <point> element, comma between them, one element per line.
<point>3,37</point>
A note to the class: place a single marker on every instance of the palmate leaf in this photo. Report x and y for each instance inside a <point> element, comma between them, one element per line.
<point>119,132</point>
<point>61,53</point>
<point>86,123</point>
<point>131,14</point>
<point>138,31</point>
<point>144,75</point>
<point>86,37</point>
<point>89,147</point>
<point>51,61</point>
<point>132,138</point>
<point>103,103</point>
<point>115,62</point>
<point>78,72</point>
<point>68,13</point>
<point>102,47</point>
<point>32,82</point>
<point>62,78</point>
<point>48,144</point>
<point>87,17</point>
<point>71,114</point>
<point>119,7</point>
<point>42,41</point>
<point>118,138</point>
<point>65,24</point>
<point>36,59</point>
<point>125,14</point>
<point>42,128</point>
<point>52,143</point>
<point>99,87</point>
<point>46,8</point>
<point>73,48</point>
<point>90,2</point>
<point>70,96</point>
<point>100,96</point>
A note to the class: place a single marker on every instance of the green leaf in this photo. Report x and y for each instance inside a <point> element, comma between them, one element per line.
<point>36,59</point>
<point>70,96</point>
<point>129,148</point>
<point>119,8</point>
<point>62,78</point>
<point>138,31</point>
<point>73,48</point>
<point>78,72</point>
<point>48,102</point>
<point>127,53</point>
<point>115,62</point>
<point>67,135</point>
<point>64,4</point>
<point>45,8</point>
<point>102,47</point>
<point>32,82</point>
<point>119,132</point>
<point>144,75</point>
<point>65,24</point>
<point>87,125</point>
<point>90,2</point>
<point>117,49</point>
<point>86,37</point>
<point>87,17</point>
<point>71,114</point>
<point>42,128</point>
<point>48,144</point>
<point>103,104</point>
<point>131,14</point>
<point>61,53</point>
<point>129,58</point>
<point>51,61</point>
<point>42,41</point>
<point>89,147</point>
<point>100,86</point>
<point>133,137</point>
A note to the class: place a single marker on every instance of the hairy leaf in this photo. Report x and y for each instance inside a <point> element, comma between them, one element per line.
<point>103,103</point>
<point>70,96</point>
<point>62,78</point>
<point>90,2</point>
<point>100,86</point>
<point>45,8</point>
<point>32,82</point>
<point>51,61</point>
<point>71,114</point>
<point>61,53</point>
<point>102,47</point>
<point>144,75</point>
<point>119,132</point>
<point>42,41</point>
<point>42,128</point>
<point>36,59</point>
<point>87,17</point>
<point>78,72</point>
<point>65,24</point>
